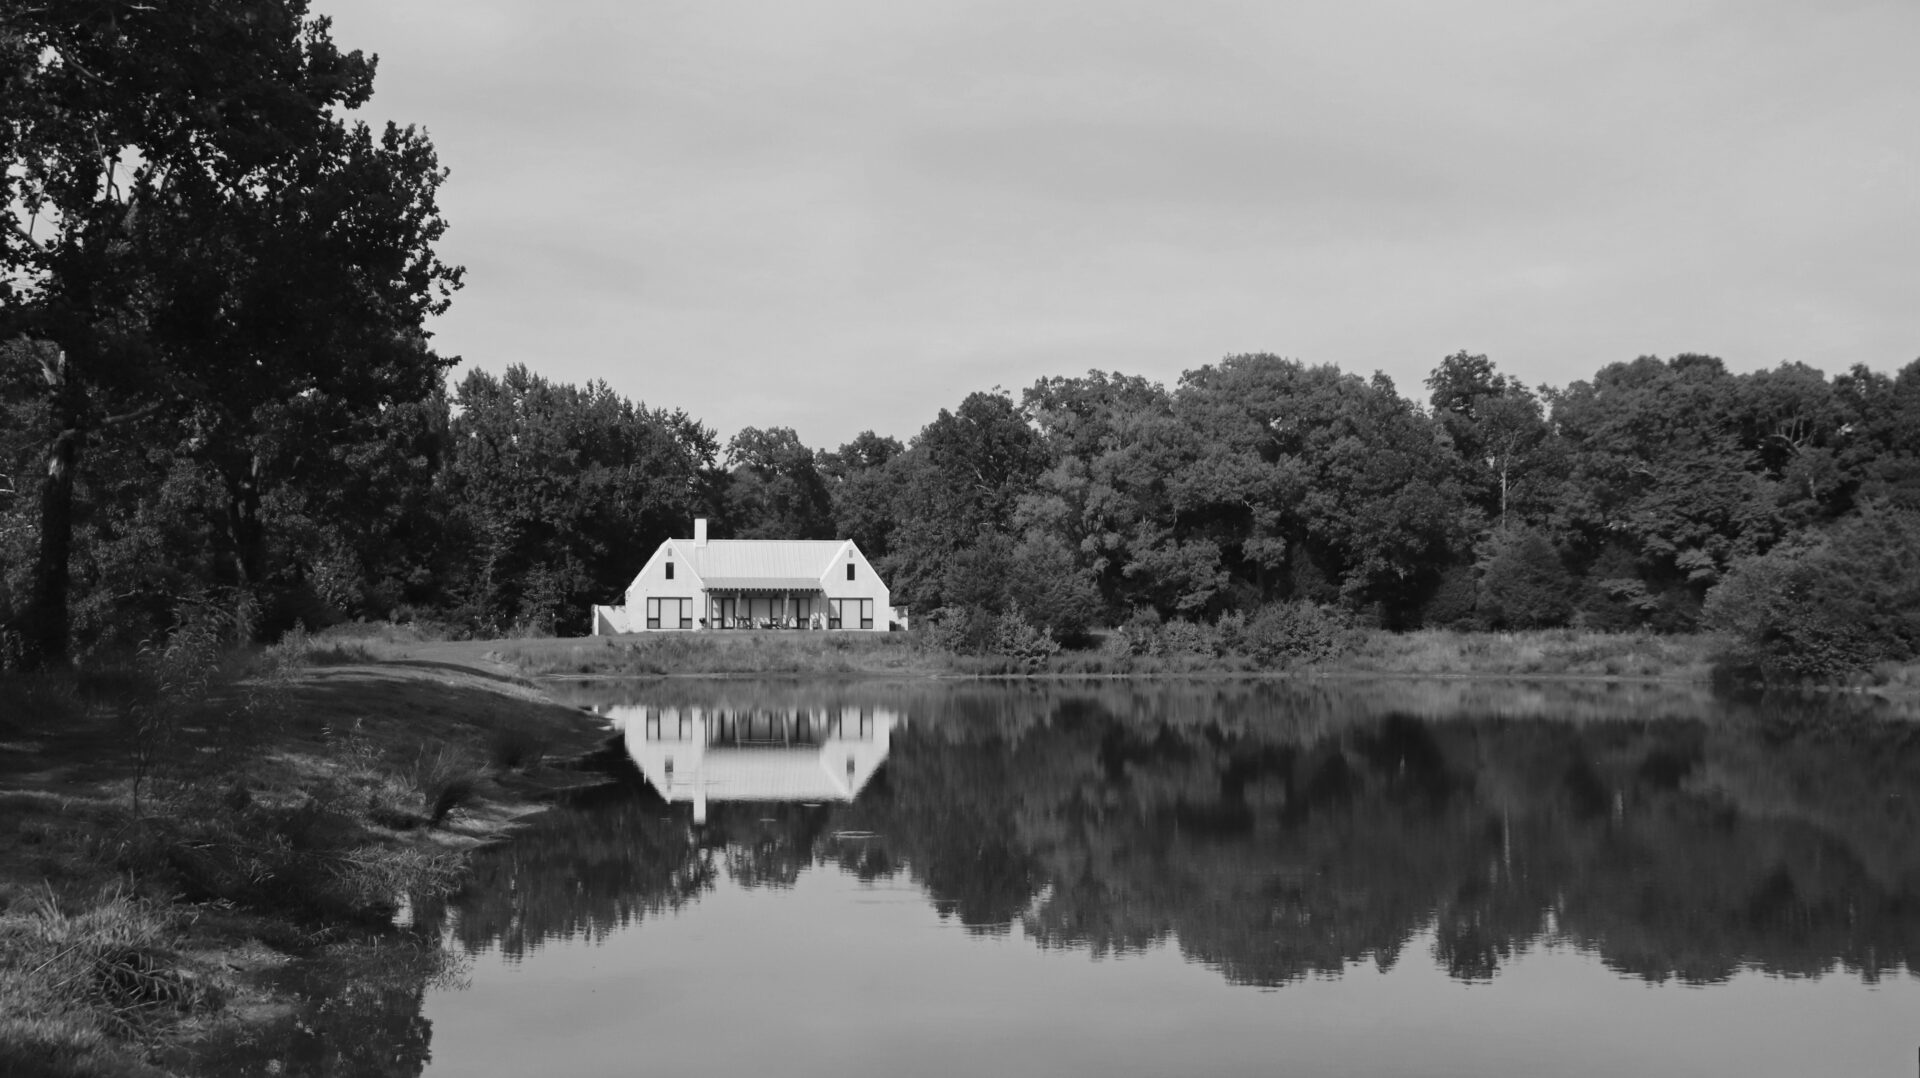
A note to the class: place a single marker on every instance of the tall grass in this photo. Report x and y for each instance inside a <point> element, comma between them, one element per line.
<point>76,981</point>
<point>726,653</point>
<point>1544,652</point>
<point>1168,651</point>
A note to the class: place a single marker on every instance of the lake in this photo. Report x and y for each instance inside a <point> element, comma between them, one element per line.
<point>1158,878</point>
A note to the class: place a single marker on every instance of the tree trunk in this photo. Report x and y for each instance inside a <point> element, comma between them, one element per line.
<point>1503,496</point>
<point>248,538</point>
<point>46,615</point>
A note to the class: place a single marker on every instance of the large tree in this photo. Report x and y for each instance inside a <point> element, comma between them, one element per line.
<point>1497,425</point>
<point>774,489</point>
<point>864,480</point>
<point>1114,443</point>
<point>193,227</point>
<point>1660,495</point>
<point>1881,452</point>
<point>964,472</point>
<point>1331,480</point>
<point>563,491</point>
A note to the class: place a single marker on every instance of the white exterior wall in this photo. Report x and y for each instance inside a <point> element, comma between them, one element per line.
<point>683,767</point>
<point>652,583</point>
<point>866,584</point>
<point>610,620</point>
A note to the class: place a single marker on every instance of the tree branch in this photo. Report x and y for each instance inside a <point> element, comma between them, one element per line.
<point>137,414</point>
<point>13,223</point>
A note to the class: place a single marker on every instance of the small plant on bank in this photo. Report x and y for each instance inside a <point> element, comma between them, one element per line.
<point>446,779</point>
<point>181,671</point>
<point>75,981</point>
<point>516,749</point>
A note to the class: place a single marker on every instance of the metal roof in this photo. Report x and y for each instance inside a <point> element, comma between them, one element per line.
<point>761,583</point>
<point>760,560</point>
<point>762,775</point>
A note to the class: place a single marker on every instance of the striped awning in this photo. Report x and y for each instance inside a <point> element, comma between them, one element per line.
<point>763,583</point>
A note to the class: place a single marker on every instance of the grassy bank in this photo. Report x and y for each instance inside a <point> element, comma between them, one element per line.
<point>172,835</point>
<point>762,653</point>
<point>1545,653</point>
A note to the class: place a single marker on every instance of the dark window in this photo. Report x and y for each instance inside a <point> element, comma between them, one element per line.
<point>653,613</point>
<point>669,570</point>
<point>849,570</point>
<point>866,612</point>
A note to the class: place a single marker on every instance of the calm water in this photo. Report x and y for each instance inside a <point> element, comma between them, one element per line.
<point>1409,879</point>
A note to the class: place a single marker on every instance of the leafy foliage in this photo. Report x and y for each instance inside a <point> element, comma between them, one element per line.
<point>1828,605</point>
<point>774,489</point>
<point>207,245</point>
<point>1523,585</point>
<point>556,487</point>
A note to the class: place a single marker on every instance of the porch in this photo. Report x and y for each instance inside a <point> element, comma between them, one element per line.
<point>797,605</point>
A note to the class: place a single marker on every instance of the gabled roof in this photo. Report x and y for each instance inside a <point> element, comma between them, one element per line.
<point>740,560</point>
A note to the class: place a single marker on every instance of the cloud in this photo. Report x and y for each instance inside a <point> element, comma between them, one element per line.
<point>846,215</point>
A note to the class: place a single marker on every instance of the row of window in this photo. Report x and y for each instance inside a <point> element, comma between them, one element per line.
<point>731,613</point>
<point>842,611</point>
<point>676,613</point>
<point>727,727</point>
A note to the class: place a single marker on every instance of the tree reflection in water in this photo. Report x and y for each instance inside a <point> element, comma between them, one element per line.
<point>1271,831</point>
<point>1275,832</point>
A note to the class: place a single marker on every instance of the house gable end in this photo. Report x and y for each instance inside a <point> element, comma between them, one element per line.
<point>835,572</point>
<point>686,579</point>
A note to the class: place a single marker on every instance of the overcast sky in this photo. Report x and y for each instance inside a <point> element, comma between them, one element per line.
<point>842,216</point>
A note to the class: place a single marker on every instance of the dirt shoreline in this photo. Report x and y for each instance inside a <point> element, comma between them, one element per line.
<point>83,873</point>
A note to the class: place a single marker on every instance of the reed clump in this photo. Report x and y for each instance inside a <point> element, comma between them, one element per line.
<point>79,979</point>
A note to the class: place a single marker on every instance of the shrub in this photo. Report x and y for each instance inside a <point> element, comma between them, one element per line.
<point>1230,633</point>
<point>1829,606</point>
<point>1140,635</point>
<point>446,780</point>
<point>1037,576</point>
<point>1522,583</point>
<point>1297,632</point>
<point>964,630</point>
<point>1052,591</point>
<point>1451,604</point>
<point>1180,637</point>
<point>1020,640</point>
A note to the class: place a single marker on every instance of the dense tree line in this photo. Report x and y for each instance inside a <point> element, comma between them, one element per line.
<point>1628,500</point>
<point>217,384</point>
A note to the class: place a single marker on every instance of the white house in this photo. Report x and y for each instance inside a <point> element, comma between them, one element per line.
<point>697,755</point>
<point>694,584</point>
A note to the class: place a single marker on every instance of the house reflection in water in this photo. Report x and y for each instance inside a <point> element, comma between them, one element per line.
<point>697,755</point>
